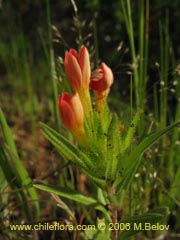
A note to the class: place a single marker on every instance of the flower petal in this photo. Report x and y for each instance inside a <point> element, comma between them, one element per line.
<point>66,111</point>
<point>84,64</point>
<point>77,109</point>
<point>101,79</point>
<point>73,71</point>
<point>71,111</point>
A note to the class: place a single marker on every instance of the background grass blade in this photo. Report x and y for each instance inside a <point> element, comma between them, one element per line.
<point>133,161</point>
<point>14,182</point>
<point>16,164</point>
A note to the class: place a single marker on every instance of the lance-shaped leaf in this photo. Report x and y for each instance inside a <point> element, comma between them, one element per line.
<point>66,148</point>
<point>131,131</point>
<point>75,196</point>
<point>16,164</point>
<point>113,149</point>
<point>71,152</point>
<point>13,180</point>
<point>134,159</point>
<point>140,223</point>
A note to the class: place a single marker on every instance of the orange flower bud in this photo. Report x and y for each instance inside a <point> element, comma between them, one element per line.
<point>71,110</point>
<point>101,79</point>
<point>77,68</point>
<point>72,115</point>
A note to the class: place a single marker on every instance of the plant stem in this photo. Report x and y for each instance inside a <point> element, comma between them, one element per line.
<point>113,211</point>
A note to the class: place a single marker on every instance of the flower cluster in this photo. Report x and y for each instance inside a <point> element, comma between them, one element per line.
<point>75,108</point>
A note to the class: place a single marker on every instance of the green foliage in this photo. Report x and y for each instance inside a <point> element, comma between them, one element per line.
<point>14,171</point>
<point>75,196</point>
<point>101,160</point>
<point>97,234</point>
<point>72,153</point>
<point>89,160</point>
<point>15,183</point>
<point>131,131</point>
<point>137,223</point>
<point>114,148</point>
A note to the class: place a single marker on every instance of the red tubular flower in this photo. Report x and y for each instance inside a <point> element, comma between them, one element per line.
<point>71,111</point>
<point>101,79</point>
<point>77,68</point>
<point>72,115</point>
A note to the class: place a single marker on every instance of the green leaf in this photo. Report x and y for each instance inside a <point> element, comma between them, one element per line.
<point>15,163</point>
<point>13,181</point>
<point>66,148</point>
<point>113,149</point>
<point>125,181</point>
<point>102,196</point>
<point>72,153</point>
<point>160,210</point>
<point>7,134</point>
<point>75,196</point>
<point>99,234</point>
<point>8,172</point>
<point>147,142</point>
<point>96,233</point>
<point>140,223</point>
<point>134,160</point>
<point>131,131</point>
<point>68,193</point>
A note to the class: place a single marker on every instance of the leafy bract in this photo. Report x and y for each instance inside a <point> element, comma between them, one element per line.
<point>72,153</point>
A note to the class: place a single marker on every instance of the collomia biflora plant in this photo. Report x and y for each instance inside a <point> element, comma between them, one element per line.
<point>102,149</point>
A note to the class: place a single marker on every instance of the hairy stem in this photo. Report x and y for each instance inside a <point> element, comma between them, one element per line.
<point>113,210</point>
